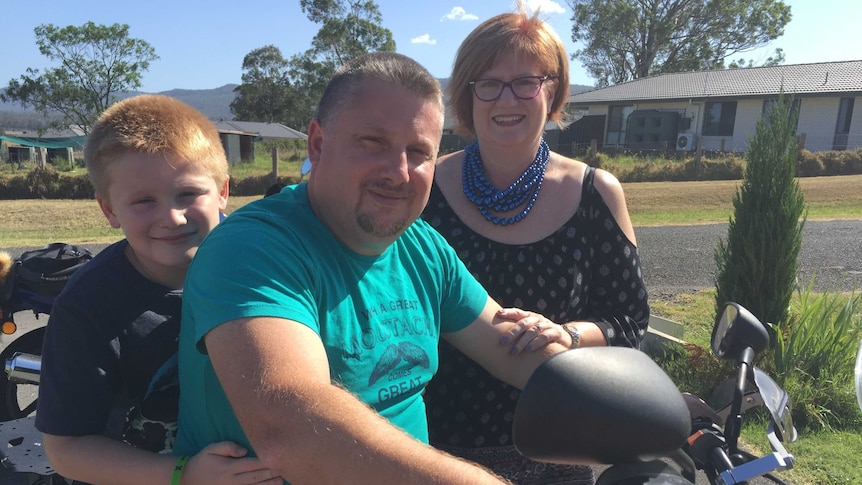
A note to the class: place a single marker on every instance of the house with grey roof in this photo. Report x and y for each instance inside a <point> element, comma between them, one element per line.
<point>718,110</point>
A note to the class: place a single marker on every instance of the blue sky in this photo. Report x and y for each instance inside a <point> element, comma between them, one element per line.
<point>201,43</point>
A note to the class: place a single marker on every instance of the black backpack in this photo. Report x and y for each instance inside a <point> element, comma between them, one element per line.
<point>45,271</point>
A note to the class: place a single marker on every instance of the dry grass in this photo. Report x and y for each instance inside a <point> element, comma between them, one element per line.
<point>36,222</point>
<point>662,203</point>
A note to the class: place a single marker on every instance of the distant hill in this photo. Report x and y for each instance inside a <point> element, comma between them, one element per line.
<point>215,103</point>
<point>579,88</point>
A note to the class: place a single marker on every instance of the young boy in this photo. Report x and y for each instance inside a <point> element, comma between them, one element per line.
<point>108,394</point>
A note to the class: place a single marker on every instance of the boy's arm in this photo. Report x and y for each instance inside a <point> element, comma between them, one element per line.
<point>105,461</point>
<point>481,342</point>
<point>275,374</point>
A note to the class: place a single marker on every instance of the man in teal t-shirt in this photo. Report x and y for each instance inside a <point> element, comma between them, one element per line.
<point>311,318</point>
<point>396,307</point>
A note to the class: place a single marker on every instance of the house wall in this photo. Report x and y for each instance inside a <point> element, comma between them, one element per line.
<point>817,120</point>
<point>231,144</point>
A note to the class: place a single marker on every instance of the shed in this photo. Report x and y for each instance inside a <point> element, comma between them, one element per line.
<point>20,149</point>
<point>238,137</point>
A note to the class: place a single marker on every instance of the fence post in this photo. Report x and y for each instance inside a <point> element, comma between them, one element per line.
<point>698,155</point>
<point>274,164</point>
<point>42,157</point>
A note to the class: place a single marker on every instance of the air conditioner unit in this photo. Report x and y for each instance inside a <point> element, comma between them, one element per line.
<point>685,142</point>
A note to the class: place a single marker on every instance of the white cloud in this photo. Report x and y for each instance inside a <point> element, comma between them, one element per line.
<point>458,13</point>
<point>545,6</point>
<point>423,39</point>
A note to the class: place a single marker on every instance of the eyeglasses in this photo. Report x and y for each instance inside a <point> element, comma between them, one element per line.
<point>526,87</point>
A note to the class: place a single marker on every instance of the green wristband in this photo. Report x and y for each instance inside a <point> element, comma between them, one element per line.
<point>178,470</point>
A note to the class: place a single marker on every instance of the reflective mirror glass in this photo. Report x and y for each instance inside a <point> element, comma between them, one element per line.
<point>777,401</point>
<point>721,327</point>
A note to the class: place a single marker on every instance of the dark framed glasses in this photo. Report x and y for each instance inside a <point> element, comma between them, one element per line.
<point>526,87</point>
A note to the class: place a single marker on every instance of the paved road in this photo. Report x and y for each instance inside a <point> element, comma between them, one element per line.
<point>678,259</point>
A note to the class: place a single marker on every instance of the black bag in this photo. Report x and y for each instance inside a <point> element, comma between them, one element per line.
<point>45,271</point>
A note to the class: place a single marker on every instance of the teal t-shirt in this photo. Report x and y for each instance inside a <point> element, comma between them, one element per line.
<point>379,318</point>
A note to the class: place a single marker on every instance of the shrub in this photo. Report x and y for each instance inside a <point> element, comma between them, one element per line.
<point>809,165</point>
<point>756,265</point>
<point>75,187</point>
<point>17,188</point>
<point>256,184</point>
<point>43,182</point>
<point>814,356</point>
<point>693,369</point>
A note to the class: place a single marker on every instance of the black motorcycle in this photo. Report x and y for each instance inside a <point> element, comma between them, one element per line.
<point>616,406</point>
<point>29,284</point>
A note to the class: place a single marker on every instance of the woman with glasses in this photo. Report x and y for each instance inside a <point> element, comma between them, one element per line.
<point>541,231</point>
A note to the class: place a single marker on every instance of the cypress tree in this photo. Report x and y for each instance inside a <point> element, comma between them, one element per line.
<point>757,265</point>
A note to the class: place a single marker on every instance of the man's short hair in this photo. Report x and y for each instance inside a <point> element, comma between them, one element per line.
<point>390,67</point>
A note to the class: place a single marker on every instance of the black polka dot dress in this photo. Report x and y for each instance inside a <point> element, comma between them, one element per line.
<point>586,270</point>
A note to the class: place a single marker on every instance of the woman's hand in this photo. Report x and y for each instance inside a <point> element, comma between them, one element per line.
<point>224,463</point>
<point>531,331</point>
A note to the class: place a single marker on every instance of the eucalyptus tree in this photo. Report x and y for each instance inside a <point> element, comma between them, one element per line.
<point>348,29</point>
<point>96,62</point>
<point>631,39</point>
<point>265,93</point>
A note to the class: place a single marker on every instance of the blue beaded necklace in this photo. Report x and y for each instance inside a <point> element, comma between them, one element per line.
<point>488,199</point>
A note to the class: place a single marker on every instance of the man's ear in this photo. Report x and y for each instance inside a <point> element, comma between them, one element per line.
<point>315,141</point>
<point>109,213</point>
<point>223,193</point>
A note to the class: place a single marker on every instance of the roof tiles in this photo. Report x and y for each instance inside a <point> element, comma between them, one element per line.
<point>816,78</point>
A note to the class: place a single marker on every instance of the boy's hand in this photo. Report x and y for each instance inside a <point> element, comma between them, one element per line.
<point>224,463</point>
<point>531,331</point>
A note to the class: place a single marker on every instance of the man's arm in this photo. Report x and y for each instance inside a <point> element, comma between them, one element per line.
<point>275,374</point>
<point>481,342</point>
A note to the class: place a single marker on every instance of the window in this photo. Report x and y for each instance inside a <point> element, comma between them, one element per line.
<point>720,118</point>
<point>794,109</point>
<point>618,117</point>
<point>618,124</point>
<point>842,128</point>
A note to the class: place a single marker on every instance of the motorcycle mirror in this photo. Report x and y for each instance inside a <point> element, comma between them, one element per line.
<point>735,330</point>
<point>777,401</point>
<point>599,405</point>
<point>859,376</point>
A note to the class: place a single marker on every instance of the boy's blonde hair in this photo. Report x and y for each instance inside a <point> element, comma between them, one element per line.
<point>520,34</point>
<point>153,124</point>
